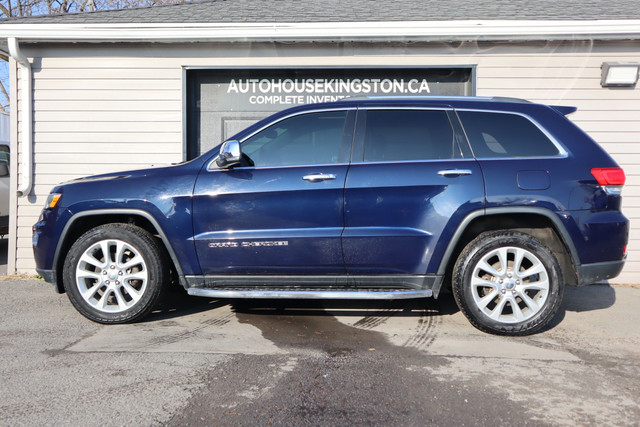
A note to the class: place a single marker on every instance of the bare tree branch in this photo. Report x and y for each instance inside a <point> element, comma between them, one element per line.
<point>6,11</point>
<point>6,96</point>
<point>20,8</point>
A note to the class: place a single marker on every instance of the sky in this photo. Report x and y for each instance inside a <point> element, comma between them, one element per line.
<point>4,78</point>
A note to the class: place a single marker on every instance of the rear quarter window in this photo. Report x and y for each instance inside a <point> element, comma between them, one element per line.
<point>499,135</point>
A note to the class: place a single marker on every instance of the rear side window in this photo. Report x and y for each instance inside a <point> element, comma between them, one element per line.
<point>394,135</point>
<point>495,135</point>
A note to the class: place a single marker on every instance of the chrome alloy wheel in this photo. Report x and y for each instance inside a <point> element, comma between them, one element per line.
<point>111,276</point>
<point>510,284</point>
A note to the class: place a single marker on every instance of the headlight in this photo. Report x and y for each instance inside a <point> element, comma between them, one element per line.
<point>52,200</point>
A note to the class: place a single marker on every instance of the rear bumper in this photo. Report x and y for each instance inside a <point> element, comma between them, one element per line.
<point>599,271</point>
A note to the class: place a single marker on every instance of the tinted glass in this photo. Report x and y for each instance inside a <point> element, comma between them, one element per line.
<point>505,135</point>
<point>4,154</point>
<point>306,139</point>
<point>408,135</point>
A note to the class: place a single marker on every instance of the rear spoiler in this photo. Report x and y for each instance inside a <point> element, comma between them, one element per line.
<point>564,110</point>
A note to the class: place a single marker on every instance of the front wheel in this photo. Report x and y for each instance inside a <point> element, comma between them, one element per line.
<point>508,283</point>
<point>114,273</point>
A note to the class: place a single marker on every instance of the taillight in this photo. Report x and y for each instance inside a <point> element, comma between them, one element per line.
<point>611,179</point>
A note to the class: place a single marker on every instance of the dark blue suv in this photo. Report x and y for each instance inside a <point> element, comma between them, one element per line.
<point>503,200</point>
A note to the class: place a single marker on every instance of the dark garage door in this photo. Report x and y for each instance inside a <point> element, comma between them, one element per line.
<point>221,102</point>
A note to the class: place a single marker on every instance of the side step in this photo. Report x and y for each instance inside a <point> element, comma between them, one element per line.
<point>310,294</point>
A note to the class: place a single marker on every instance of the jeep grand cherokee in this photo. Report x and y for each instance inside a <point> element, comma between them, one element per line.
<point>504,200</point>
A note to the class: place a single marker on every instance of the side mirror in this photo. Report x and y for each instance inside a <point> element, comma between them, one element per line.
<point>230,154</point>
<point>4,170</point>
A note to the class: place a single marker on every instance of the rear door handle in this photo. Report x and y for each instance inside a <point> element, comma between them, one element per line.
<point>454,172</point>
<point>317,177</point>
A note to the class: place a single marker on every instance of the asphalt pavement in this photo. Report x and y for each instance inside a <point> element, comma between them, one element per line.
<point>199,361</point>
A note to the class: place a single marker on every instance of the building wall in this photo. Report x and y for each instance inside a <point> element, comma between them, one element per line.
<point>103,108</point>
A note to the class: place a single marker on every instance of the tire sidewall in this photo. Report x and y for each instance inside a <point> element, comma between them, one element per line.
<point>147,248</point>
<point>475,251</point>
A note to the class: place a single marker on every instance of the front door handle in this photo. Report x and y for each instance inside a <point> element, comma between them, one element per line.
<point>454,172</point>
<point>317,177</point>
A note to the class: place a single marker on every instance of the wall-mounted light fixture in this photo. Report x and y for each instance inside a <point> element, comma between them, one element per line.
<point>620,74</point>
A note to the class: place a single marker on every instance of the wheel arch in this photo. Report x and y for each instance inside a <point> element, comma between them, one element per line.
<point>538,222</point>
<point>82,222</point>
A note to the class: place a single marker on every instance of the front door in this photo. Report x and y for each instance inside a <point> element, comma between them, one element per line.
<point>280,212</point>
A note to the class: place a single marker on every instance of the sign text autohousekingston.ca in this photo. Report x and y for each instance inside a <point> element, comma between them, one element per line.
<point>302,91</point>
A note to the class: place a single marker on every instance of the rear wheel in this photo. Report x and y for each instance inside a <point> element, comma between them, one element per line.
<point>508,283</point>
<point>115,273</point>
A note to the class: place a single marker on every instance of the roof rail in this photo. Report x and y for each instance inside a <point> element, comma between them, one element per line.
<point>433,97</point>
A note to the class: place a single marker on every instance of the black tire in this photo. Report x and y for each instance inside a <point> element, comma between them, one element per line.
<point>123,288</point>
<point>504,301</point>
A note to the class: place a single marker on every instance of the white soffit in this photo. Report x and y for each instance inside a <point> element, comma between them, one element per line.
<point>327,31</point>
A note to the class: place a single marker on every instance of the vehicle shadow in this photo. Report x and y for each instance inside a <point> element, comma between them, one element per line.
<point>346,308</point>
<point>584,298</point>
<point>177,304</point>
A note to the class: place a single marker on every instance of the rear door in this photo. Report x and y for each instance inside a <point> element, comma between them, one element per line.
<point>411,182</point>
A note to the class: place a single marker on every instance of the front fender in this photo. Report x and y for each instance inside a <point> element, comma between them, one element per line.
<point>180,250</point>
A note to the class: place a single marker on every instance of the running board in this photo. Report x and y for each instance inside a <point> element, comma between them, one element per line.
<point>310,294</point>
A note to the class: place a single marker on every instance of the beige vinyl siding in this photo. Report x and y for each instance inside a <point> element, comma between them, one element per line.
<point>94,118</point>
<point>609,116</point>
<point>101,108</point>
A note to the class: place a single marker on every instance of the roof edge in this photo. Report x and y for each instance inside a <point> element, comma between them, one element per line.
<point>489,30</point>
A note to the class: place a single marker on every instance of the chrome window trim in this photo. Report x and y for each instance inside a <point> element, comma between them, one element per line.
<point>299,113</point>
<point>559,156</point>
<point>381,162</point>
<point>562,152</point>
<point>320,165</point>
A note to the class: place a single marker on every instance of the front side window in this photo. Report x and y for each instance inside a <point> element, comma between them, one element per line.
<point>498,135</point>
<point>405,135</point>
<point>306,139</point>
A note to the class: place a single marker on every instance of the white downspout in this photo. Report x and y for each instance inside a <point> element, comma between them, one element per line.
<point>26,168</point>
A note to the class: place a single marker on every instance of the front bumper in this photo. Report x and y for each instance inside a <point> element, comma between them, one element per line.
<point>50,276</point>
